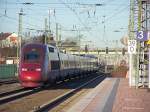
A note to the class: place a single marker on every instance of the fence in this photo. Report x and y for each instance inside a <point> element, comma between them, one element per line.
<point>8,71</point>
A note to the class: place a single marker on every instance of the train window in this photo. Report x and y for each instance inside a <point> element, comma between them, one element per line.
<point>55,65</point>
<point>31,56</point>
<point>51,49</point>
<point>66,64</point>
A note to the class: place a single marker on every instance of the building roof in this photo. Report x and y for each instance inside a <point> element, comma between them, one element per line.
<point>3,36</point>
<point>12,36</point>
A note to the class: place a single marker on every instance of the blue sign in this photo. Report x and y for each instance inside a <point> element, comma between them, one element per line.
<point>141,36</point>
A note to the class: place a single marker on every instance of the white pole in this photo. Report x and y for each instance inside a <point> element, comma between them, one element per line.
<point>130,70</point>
<point>149,71</point>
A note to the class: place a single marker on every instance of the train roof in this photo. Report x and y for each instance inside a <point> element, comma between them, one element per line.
<point>38,44</point>
<point>90,56</point>
<point>48,45</point>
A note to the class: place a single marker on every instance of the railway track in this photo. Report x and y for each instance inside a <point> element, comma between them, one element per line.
<point>16,94</point>
<point>9,96</point>
<point>58,100</point>
<point>2,82</point>
<point>4,94</point>
<point>28,100</point>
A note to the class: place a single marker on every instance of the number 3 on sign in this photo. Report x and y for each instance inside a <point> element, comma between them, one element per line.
<point>132,46</point>
<point>140,35</point>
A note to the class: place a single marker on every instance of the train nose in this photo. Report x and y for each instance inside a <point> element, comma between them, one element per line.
<point>30,74</point>
<point>30,77</point>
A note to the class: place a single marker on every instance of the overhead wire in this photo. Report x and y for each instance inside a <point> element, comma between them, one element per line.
<point>75,15</point>
<point>67,5</point>
<point>14,19</point>
<point>114,15</point>
<point>74,10</point>
<point>109,1</point>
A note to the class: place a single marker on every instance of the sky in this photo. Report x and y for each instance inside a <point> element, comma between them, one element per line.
<point>102,23</point>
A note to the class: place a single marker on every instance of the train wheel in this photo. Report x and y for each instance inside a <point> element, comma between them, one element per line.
<point>45,85</point>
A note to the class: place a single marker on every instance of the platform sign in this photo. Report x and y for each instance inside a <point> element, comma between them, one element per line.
<point>142,35</point>
<point>132,46</point>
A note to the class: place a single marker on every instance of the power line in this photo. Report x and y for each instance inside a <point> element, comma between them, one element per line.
<point>14,19</point>
<point>2,15</point>
<point>76,16</point>
<point>45,3</point>
<point>55,3</point>
<point>109,1</point>
<point>113,16</point>
<point>118,12</point>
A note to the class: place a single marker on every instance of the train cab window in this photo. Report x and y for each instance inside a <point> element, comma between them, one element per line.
<point>51,49</point>
<point>32,56</point>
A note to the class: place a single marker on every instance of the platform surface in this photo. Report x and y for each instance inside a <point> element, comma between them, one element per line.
<point>114,95</point>
<point>100,99</point>
<point>130,99</point>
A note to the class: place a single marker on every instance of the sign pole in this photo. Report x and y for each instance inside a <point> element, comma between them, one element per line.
<point>131,50</point>
<point>149,62</point>
<point>130,69</point>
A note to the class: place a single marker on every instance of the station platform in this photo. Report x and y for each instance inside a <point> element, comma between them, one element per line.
<point>113,95</point>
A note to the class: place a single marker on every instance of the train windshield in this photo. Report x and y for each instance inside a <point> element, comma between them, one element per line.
<point>32,57</point>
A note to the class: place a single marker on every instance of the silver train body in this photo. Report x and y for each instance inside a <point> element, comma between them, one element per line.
<point>42,64</point>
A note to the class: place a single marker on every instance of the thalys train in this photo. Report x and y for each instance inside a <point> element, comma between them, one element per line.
<point>41,64</point>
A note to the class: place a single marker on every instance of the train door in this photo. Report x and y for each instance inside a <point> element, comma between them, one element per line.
<point>54,63</point>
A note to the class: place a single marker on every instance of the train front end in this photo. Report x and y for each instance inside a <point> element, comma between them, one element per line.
<point>31,65</point>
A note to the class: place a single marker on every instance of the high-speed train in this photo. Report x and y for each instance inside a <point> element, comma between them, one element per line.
<point>41,64</point>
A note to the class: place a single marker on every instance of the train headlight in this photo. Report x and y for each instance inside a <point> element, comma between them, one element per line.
<point>29,78</point>
<point>38,69</point>
<point>24,69</point>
